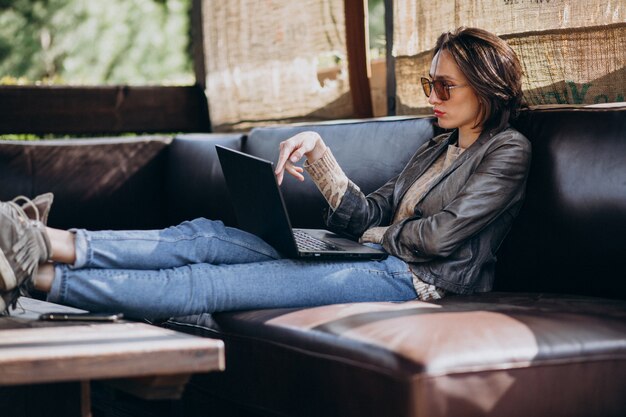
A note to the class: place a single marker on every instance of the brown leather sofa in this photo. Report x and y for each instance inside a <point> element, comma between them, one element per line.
<point>549,341</point>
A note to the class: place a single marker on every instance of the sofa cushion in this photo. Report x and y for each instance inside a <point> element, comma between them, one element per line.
<point>495,354</point>
<point>370,152</point>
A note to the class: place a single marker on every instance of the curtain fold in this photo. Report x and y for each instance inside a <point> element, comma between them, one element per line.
<point>274,61</point>
<point>573,52</point>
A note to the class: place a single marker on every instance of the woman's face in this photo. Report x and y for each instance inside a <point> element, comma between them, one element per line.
<point>461,109</point>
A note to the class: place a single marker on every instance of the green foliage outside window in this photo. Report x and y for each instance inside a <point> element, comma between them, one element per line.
<point>87,42</point>
<point>376,11</point>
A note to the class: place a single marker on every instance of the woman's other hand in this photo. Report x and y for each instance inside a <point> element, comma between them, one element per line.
<point>309,144</point>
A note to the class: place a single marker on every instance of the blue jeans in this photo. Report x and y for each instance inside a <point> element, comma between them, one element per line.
<point>202,266</point>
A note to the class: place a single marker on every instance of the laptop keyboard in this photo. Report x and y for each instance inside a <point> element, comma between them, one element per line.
<point>310,243</point>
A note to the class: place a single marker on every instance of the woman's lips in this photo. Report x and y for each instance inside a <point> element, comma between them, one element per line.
<point>439,113</point>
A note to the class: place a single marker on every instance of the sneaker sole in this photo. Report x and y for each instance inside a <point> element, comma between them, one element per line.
<point>7,274</point>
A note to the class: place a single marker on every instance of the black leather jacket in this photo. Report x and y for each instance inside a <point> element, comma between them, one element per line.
<point>458,225</point>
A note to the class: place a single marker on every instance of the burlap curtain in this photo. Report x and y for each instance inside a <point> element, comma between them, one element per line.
<point>573,51</point>
<point>275,61</point>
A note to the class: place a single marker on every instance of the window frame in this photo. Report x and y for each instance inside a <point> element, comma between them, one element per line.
<point>118,109</point>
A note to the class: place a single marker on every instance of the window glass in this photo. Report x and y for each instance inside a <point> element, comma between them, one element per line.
<point>86,42</point>
<point>376,21</point>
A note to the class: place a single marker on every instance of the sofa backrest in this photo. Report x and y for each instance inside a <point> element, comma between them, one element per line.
<point>370,151</point>
<point>571,233</point>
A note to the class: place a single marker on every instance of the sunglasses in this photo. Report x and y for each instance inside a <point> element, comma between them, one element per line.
<point>442,89</point>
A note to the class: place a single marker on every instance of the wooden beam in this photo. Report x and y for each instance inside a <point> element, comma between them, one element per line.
<point>358,57</point>
<point>102,110</point>
<point>197,41</point>
<point>199,57</point>
<point>389,59</point>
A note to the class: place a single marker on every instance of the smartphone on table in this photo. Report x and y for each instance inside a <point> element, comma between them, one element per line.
<point>97,317</point>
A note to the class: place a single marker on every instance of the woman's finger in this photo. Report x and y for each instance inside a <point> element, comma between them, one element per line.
<point>295,171</point>
<point>292,169</point>
<point>286,148</point>
<point>293,150</point>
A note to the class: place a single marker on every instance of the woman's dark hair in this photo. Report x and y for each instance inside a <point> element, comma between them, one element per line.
<point>492,69</point>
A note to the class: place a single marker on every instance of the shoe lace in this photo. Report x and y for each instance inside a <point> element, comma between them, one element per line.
<point>20,211</point>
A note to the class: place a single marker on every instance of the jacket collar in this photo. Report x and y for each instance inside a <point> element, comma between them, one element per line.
<point>421,162</point>
<point>478,143</point>
<point>440,145</point>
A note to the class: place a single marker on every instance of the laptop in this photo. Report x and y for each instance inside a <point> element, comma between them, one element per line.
<point>260,209</point>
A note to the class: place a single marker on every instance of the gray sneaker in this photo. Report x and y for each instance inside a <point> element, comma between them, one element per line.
<point>24,244</point>
<point>38,208</point>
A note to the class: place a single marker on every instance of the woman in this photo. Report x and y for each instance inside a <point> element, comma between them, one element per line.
<point>441,219</point>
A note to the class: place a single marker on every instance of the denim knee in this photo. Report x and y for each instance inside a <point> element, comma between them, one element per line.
<point>202,225</point>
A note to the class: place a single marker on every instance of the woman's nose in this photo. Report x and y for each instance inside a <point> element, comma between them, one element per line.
<point>433,99</point>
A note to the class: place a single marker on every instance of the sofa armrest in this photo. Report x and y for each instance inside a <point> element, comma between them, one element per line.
<point>100,183</point>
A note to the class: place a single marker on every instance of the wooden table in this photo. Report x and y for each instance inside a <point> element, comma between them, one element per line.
<point>148,361</point>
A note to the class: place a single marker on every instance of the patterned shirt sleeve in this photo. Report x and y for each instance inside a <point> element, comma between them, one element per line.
<point>329,178</point>
<point>373,235</point>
